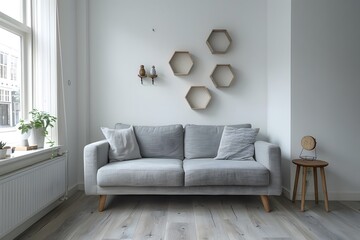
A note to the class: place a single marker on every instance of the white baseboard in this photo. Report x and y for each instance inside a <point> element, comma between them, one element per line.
<point>80,186</point>
<point>74,188</point>
<point>347,196</point>
<point>286,193</point>
<point>332,196</point>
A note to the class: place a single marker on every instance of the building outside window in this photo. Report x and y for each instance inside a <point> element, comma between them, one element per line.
<point>10,45</point>
<point>15,64</point>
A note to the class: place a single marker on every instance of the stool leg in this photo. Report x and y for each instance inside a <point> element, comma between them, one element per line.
<point>316,185</point>
<point>303,191</point>
<point>322,171</point>
<point>296,183</point>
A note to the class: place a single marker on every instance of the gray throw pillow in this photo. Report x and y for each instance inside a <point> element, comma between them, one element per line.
<point>123,144</point>
<point>237,144</point>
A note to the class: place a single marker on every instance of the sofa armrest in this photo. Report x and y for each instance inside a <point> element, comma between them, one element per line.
<point>269,155</point>
<point>95,156</point>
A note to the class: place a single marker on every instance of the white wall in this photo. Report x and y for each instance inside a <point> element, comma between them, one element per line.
<point>325,88</point>
<point>279,81</point>
<point>83,81</point>
<point>69,57</point>
<point>121,39</point>
<point>319,52</point>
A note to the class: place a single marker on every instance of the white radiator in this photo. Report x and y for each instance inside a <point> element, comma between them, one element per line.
<point>26,192</point>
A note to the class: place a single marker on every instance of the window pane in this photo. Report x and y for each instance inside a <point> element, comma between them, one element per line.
<point>12,8</point>
<point>10,78</point>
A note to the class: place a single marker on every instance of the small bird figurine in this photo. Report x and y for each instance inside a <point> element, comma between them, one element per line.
<point>153,74</point>
<point>142,72</point>
<point>152,71</point>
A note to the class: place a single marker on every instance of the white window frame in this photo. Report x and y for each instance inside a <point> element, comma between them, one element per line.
<point>23,30</point>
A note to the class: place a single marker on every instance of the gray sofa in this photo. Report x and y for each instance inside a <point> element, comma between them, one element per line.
<point>179,160</point>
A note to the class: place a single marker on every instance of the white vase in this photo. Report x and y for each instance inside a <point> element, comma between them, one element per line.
<point>37,137</point>
<point>24,138</point>
<point>3,153</point>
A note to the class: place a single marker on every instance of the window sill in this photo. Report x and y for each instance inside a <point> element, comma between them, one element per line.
<point>22,159</point>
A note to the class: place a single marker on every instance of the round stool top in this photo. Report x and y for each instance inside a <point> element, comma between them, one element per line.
<point>310,163</point>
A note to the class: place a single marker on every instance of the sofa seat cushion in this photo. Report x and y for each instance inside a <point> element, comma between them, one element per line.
<point>142,172</point>
<point>211,172</point>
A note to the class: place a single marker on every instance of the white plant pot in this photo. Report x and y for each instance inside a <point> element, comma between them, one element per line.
<point>37,137</point>
<point>3,153</point>
<point>24,138</point>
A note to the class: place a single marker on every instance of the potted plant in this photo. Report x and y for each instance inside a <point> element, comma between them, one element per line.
<point>39,124</point>
<point>2,150</point>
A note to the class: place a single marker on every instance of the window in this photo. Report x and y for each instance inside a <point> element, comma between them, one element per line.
<point>13,9</point>
<point>15,64</point>
<point>13,68</point>
<point>4,96</point>
<point>3,65</point>
<point>10,55</point>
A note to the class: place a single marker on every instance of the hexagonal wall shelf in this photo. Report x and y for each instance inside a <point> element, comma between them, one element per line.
<point>222,75</point>
<point>181,63</point>
<point>218,41</point>
<point>198,97</point>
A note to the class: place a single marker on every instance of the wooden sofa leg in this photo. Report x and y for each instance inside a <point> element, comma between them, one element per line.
<point>265,202</point>
<point>102,201</point>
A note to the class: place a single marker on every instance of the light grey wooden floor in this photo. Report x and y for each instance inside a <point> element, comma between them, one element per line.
<point>195,217</point>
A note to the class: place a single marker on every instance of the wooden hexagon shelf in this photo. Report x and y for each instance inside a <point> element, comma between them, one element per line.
<point>198,97</point>
<point>219,41</point>
<point>181,63</point>
<point>222,76</point>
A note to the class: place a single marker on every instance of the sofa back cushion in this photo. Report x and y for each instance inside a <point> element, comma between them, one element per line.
<point>202,141</point>
<point>159,141</point>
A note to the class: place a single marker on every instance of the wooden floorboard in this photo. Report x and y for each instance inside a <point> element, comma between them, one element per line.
<point>195,217</point>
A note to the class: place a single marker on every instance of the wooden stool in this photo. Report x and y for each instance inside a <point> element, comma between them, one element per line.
<point>314,164</point>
